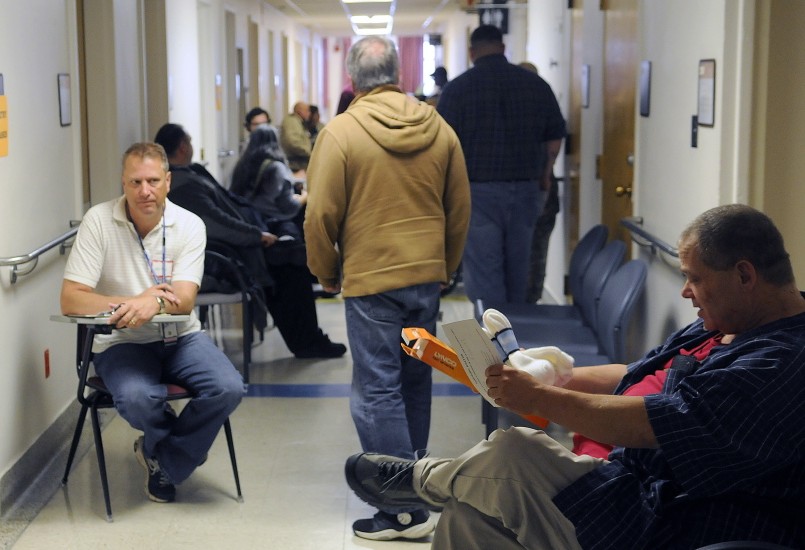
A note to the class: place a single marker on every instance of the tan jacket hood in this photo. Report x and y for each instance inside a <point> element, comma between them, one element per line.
<point>396,121</point>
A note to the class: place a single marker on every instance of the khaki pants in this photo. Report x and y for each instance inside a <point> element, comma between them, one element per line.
<point>499,493</point>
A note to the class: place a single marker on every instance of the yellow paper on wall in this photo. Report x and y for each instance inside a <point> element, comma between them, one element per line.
<point>3,126</point>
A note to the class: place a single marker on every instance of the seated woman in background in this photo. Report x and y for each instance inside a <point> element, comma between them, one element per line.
<point>263,177</point>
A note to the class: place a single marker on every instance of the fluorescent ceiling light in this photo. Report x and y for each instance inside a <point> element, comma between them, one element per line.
<point>366,32</point>
<point>363,25</point>
<point>370,19</point>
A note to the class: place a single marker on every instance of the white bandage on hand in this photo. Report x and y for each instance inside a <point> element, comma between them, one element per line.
<point>561,364</point>
<point>548,364</point>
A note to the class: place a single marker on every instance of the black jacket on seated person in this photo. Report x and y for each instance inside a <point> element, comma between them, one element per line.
<point>231,221</point>
<point>222,215</point>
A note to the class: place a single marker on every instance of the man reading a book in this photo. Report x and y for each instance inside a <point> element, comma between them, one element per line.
<point>707,449</point>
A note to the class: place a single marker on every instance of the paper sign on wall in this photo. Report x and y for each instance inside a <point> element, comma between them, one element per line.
<point>3,125</point>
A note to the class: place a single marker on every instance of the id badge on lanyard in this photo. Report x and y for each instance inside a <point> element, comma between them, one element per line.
<point>162,272</point>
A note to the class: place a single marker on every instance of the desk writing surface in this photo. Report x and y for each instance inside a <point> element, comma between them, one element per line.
<point>104,319</point>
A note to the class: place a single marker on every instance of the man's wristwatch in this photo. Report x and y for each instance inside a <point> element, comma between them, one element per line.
<point>161,302</point>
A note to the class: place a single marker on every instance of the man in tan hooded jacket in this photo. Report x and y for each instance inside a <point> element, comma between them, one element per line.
<point>386,221</point>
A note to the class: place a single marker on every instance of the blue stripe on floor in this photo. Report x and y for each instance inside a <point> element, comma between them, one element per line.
<point>338,390</point>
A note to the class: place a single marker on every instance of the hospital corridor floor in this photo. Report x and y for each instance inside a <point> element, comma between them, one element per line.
<point>292,434</point>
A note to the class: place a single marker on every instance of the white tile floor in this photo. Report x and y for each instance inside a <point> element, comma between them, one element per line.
<point>290,453</point>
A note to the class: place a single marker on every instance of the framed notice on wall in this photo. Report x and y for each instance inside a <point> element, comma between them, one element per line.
<point>585,86</point>
<point>707,92</point>
<point>645,88</point>
<point>65,108</point>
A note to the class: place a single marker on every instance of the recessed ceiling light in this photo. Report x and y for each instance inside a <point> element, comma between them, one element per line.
<point>370,19</point>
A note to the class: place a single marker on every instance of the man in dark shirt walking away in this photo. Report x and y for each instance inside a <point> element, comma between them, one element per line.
<point>511,129</point>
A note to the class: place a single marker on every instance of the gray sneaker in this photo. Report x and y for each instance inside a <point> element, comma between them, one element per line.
<point>384,481</point>
<point>157,485</point>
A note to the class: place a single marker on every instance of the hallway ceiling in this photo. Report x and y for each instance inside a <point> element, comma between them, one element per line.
<point>330,17</point>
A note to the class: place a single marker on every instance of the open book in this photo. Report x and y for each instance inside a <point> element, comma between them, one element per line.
<point>465,360</point>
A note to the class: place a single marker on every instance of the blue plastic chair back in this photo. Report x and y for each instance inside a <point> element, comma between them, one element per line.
<point>586,249</point>
<point>603,265</point>
<point>616,305</point>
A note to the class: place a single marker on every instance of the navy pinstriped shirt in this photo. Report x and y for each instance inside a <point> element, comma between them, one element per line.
<point>502,114</point>
<point>731,458</point>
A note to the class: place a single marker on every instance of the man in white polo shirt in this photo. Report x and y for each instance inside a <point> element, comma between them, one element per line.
<point>140,255</point>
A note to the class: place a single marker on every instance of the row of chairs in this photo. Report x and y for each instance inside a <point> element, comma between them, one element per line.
<point>593,328</point>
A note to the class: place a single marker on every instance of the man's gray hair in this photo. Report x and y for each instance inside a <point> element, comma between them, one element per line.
<point>373,62</point>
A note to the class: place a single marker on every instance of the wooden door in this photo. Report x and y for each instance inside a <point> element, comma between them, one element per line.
<point>620,83</point>
<point>573,141</point>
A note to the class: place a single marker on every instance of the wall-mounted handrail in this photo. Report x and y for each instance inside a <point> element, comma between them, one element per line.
<point>647,239</point>
<point>32,258</point>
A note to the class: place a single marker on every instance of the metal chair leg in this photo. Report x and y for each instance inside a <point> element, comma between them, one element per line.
<point>248,338</point>
<point>231,444</point>
<point>96,431</point>
<point>79,427</point>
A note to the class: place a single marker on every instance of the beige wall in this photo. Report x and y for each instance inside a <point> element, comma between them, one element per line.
<point>673,180</point>
<point>779,162</point>
<point>41,194</point>
<point>42,173</point>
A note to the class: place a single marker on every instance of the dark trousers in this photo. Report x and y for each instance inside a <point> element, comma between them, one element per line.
<point>293,307</point>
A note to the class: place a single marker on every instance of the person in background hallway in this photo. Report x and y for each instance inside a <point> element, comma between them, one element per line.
<point>228,219</point>
<point>255,118</point>
<point>295,138</point>
<point>139,256</point>
<point>440,80</point>
<point>347,95</point>
<point>314,124</point>
<point>542,231</point>
<point>707,449</point>
<point>263,177</point>
<point>390,243</point>
<point>234,222</point>
<point>511,129</point>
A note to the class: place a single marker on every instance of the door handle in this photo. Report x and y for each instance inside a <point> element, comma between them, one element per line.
<point>223,153</point>
<point>621,191</point>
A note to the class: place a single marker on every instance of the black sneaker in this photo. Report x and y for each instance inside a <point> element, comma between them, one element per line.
<point>383,481</point>
<point>384,526</point>
<point>324,350</point>
<point>157,485</point>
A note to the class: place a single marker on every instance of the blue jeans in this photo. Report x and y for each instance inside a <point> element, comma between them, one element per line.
<point>497,255</point>
<point>136,374</point>
<point>391,391</point>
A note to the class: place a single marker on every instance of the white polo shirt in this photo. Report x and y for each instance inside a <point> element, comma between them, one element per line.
<point>107,257</point>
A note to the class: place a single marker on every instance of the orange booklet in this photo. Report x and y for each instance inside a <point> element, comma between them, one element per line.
<point>421,344</point>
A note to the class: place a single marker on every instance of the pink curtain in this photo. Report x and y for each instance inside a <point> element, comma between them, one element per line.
<point>410,62</point>
<point>325,74</point>
<point>343,45</point>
